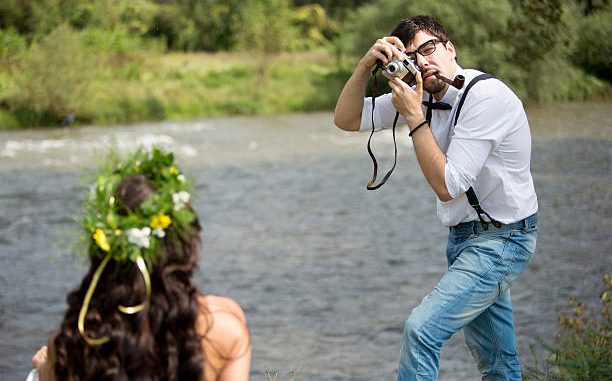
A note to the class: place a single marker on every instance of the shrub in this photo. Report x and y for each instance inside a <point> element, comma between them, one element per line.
<point>593,50</point>
<point>117,41</point>
<point>11,44</point>
<point>52,79</point>
<point>583,349</point>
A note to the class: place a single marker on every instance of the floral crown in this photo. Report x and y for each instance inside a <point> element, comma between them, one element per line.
<point>114,231</point>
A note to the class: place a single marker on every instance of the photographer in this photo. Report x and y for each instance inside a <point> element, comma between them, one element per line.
<point>472,145</point>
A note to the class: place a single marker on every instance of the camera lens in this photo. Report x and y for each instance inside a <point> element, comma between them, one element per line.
<point>392,68</point>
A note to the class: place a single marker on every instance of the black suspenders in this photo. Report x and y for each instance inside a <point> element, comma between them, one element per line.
<point>471,195</point>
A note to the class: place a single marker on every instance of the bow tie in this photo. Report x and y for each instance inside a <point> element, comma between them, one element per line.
<point>437,105</point>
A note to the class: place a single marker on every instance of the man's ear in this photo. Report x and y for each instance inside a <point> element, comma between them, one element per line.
<point>451,48</point>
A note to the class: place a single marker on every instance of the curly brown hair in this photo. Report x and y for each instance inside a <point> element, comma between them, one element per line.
<point>159,343</point>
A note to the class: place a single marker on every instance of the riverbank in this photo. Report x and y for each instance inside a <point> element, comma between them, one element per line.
<point>144,86</point>
<point>78,88</point>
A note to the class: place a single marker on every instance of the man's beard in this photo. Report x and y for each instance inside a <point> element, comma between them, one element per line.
<point>434,86</point>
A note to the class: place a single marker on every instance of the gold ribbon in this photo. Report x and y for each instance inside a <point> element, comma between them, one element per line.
<point>126,310</point>
<point>145,276</point>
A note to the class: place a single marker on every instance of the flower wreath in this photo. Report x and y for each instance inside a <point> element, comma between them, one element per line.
<point>114,231</point>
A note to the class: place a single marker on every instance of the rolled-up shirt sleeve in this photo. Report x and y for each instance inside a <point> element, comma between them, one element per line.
<point>384,113</point>
<point>463,163</point>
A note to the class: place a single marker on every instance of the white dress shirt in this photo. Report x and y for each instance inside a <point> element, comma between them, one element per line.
<point>489,149</point>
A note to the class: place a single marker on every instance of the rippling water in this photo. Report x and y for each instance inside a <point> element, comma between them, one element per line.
<point>326,271</point>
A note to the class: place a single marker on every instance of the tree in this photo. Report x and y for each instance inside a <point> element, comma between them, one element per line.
<point>265,29</point>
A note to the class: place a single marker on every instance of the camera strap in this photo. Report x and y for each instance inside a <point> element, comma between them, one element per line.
<point>430,106</point>
<point>471,195</point>
<point>373,87</point>
<point>371,185</point>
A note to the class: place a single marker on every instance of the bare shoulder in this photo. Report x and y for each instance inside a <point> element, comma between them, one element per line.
<point>44,361</point>
<point>223,323</point>
<point>222,305</point>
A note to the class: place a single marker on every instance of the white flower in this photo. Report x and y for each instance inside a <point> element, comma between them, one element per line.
<point>159,232</point>
<point>181,178</point>
<point>180,199</point>
<point>139,237</point>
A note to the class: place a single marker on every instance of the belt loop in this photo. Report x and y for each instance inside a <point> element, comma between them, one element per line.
<point>525,224</point>
<point>475,227</point>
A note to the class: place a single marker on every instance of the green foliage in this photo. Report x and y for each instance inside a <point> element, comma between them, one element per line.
<point>535,29</point>
<point>593,49</point>
<point>583,349</point>
<point>192,25</point>
<point>111,228</point>
<point>590,6</point>
<point>314,26</point>
<point>15,14</point>
<point>474,29</point>
<point>265,30</point>
<point>8,120</point>
<point>11,44</point>
<point>172,26</point>
<point>117,41</point>
<point>336,8</point>
<point>265,26</point>
<point>525,43</point>
<point>53,78</point>
<point>107,61</point>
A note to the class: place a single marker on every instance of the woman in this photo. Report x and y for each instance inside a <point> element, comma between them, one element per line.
<point>137,314</point>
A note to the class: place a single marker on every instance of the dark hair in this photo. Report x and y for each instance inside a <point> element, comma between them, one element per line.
<point>406,29</point>
<point>159,343</point>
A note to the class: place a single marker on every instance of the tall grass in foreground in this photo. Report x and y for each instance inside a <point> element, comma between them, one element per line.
<point>583,349</point>
<point>273,375</point>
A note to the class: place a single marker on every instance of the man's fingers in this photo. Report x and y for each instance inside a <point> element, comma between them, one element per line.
<point>395,83</point>
<point>396,42</point>
<point>389,46</point>
<point>419,83</point>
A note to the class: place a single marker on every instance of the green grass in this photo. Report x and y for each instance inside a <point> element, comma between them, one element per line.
<point>146,86</point>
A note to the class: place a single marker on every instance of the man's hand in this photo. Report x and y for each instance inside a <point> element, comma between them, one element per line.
<point>384,49</point>
<point>347,115</point>
<point>408,101</point>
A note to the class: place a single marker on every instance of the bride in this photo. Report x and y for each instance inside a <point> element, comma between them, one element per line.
<point>137,314</point>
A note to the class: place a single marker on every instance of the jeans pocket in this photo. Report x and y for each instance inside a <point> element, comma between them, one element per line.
<point>520,249</point>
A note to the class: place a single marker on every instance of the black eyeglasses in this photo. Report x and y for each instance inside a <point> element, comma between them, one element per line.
<point>425,49</point>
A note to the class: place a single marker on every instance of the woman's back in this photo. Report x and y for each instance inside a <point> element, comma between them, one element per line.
<point>137,314</point>
<point>225,342</point>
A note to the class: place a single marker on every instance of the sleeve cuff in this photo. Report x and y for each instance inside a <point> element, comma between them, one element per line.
<point>457,181</point>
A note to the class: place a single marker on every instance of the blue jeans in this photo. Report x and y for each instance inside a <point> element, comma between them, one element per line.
<point>474,294</point>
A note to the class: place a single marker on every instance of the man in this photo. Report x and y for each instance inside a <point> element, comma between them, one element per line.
<point>486,149</point>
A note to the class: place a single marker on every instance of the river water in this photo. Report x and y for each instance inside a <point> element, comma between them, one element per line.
<point>326,271</point>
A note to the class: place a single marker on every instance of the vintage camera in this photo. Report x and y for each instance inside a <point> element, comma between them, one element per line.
<point>401,67</point>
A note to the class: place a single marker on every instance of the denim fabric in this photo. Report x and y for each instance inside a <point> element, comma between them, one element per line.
<point>473,294</point>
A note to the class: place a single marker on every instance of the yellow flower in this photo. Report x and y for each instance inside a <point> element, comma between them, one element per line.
<point>174,170</point>
<point>160,221</point>
<point>101,240</point>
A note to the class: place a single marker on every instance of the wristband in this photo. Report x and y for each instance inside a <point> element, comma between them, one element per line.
<point>417,127</point>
